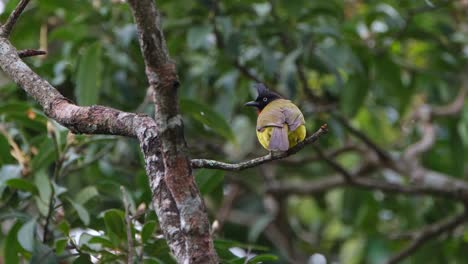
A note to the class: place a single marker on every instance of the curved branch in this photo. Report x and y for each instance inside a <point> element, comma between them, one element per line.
<point>456,106</point>
<point>428,233</point>
<point>86,119</point>
<point>214,164</point>
<point>101,120</point>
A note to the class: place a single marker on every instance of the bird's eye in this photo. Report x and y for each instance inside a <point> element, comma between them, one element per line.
<point>265,99</point>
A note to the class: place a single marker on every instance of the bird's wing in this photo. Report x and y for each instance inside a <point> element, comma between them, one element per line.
<point>271,116</point>
<point>293,116</point>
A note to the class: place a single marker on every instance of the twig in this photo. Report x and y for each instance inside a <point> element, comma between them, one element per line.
<point>332,163</point>
<point>97,156</point>
<point>428,233</point>
<point>427,140</point>
<point>11,21</point>
<point>382,154</point>
<point>432,183</point>
<point>60,158</point>
<point>128,221</point>
<point>213,164</point>
<point>330,154</point>
<point>228,202</point>
<point>245,71</point>
<point>30,53</point>
<point>287,44</point>
<point>456,106</point>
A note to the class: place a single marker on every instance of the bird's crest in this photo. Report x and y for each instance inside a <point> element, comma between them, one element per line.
<point>261,89</point>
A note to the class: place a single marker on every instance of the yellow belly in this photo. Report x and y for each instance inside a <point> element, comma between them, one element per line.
<point>294,137</point>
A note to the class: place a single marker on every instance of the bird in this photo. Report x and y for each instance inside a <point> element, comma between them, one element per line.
<point>280,123</point>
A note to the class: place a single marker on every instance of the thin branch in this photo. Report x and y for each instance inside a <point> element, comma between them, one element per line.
<point>382,154</point>
<point>30,53</point>
<point>246,72</point>
<point>287,45</point>
<point>330,154</point>
<point>6,29</point>
<point>427,140</point>
<point>427,233</point>
<point>234,191</point>
<point>221,45</point>
<point>456,106</point>
<point>213,164</point>
<point>59,159</point>
<point>335,165</point>
<point>432,183</point>
<point>97,157</point>
<point>128,221</point>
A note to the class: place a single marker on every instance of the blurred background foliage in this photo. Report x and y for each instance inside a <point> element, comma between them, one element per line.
<point>373,62</point>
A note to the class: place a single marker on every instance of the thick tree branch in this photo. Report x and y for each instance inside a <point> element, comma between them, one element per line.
<point>191,240</point>
<point>87,120</point>
<point>105,120</point>
<point>6,29</point>
<point>213,164</point>
<point>427,233</point>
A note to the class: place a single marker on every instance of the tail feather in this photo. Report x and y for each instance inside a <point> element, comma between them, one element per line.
<point>279,138</point>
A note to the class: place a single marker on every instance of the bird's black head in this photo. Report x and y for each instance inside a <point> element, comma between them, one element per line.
<point>264,97</point>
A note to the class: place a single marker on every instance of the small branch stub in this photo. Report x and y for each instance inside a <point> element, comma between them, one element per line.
<point>30,53</point>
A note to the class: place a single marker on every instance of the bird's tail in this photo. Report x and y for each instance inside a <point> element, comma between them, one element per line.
<point>279,138</point>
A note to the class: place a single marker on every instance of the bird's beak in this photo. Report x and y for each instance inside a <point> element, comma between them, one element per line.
<point>252,103</point>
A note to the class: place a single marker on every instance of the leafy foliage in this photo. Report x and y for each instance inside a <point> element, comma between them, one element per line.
<point>372,61</point>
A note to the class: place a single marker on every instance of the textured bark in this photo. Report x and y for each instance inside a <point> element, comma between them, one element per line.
<point>89,119</point>
<point>186,230</point>
<point>174,170</point>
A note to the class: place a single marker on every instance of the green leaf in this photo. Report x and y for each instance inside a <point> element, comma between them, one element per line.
<point>83,259</point>
<point>43,254</point>
<point>45,191</point>
<point>103,241</point>
<point>89,75</point>
<point>198,36</point>
<point>259,226</point>
<point>82,212</point>
<point>208,180</point>
<point>60,245</point>
<point>262,258</point>
<point>46,154</point>
<point>5,155</point>
<point>64,226</point>
<point>23,185</point>
<point>148,230</point>
<point>208,117</point>
<point>353,95</point>
<point>86,194</point>
<point>156,248</point>
<point>11,245</point>
<point>8,172</point>
<point>26,235</point>
<point>115,224</point>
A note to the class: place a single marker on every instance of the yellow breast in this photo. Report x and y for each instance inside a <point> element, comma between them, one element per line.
<point>294,137</point>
